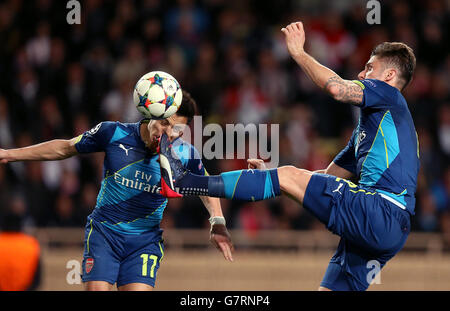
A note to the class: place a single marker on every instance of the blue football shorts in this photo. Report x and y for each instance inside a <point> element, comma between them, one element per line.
<point>121,258</point>
<point>372,229</point>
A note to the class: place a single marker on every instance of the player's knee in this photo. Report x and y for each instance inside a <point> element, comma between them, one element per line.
<point>293,180</point>
<point>292,173</point>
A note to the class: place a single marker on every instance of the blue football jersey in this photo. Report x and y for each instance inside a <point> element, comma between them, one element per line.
<point>383,151</point>
<point>129,200</point>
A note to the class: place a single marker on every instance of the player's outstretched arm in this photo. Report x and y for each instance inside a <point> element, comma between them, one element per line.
<point>219,235</point>
<point>340,89</point>
<point>57,149</point>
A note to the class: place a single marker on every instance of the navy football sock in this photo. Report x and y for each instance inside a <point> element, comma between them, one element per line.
<point>247,185</point>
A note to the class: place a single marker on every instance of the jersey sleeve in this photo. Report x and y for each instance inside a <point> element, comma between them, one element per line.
<point>346,158</point>
<point>96,139</point>
<point>190,157</point>
<point>377,94</point>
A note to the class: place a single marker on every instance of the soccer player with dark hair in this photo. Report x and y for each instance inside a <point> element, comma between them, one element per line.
<point>123,239</point>
<point>372,217</point>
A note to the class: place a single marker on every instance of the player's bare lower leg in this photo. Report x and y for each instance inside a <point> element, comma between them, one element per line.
<point>135,287</point>
<point>247,185</point>
<point>294,181</point>
<point>97,286</point>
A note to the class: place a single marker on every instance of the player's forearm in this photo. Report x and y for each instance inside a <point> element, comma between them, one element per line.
<point>212,205</point>
<point>295,41</point>
<point>57,149</point>
<point>317,72</point>
<point>340,89</point>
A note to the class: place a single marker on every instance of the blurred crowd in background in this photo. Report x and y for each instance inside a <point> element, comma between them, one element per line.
<point>59,80</point>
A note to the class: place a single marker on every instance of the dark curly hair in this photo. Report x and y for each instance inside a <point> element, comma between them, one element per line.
<point>188,107</point>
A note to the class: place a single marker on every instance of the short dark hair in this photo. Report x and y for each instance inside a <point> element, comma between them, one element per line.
<point>399,55</point>
<point>188,107</point>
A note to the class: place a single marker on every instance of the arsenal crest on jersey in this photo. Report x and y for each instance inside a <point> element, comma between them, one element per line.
<point>89,264</point>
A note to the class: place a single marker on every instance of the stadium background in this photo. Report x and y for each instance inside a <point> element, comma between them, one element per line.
<point>59,80</point>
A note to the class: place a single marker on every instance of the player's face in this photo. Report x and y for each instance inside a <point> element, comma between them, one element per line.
<point>374,69</point>
<point>172,126</point>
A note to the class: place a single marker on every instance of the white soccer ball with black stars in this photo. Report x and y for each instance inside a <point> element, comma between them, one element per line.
<point>157,95</point>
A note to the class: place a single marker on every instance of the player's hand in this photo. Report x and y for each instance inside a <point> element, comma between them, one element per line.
<point>295,38</point>
<point>257,164</point>
<point>221,239</point>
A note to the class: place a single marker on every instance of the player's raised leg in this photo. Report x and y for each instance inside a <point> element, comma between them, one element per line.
<point>294,181</point>
<point>247,185</point>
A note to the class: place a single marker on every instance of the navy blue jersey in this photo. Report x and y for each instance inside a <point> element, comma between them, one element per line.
<point>383,151</point>
<point>129,200</point>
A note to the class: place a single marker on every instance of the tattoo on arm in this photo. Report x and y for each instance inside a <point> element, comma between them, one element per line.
<point>344,90</point>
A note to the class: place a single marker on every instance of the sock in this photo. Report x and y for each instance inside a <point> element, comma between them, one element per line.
<point>247,185</point>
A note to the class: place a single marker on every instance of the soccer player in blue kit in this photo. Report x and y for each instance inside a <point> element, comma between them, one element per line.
<point>123,239</point>
<point>372,217</point>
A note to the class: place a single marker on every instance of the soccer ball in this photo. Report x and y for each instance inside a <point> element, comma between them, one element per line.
<point>157,95</point>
